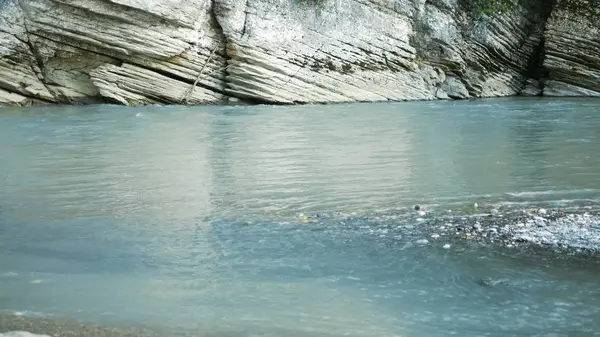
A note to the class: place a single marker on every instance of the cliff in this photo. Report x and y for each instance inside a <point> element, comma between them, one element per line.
<point>290,51</point>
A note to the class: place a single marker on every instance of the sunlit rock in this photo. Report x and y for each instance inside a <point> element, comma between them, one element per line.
<point>289,51</point>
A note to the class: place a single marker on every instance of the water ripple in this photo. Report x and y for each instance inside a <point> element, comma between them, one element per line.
<point>292,221</point>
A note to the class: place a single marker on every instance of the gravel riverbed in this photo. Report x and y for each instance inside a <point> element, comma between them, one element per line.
<point>571,231</point>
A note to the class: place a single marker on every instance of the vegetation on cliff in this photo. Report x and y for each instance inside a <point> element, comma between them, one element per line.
<point>479,7</point>
<point>586,8</point>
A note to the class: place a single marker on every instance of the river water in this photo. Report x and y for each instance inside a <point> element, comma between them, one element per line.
<point>264,220</point>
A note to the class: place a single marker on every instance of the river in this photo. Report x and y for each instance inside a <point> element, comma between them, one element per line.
<point>265,220</point>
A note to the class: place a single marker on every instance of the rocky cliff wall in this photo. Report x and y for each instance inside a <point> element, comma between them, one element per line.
<point>288,51</point>
<point>572,51</point>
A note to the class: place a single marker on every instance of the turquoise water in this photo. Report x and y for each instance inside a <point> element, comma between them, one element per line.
<point>194,218</point>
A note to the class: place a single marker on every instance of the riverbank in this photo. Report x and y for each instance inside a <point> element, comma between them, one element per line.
<point>58,327</point>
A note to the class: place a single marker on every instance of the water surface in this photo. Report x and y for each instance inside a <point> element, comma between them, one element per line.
<point>193,218</point>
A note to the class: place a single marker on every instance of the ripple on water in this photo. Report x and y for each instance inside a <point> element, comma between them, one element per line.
<point>294,221</point>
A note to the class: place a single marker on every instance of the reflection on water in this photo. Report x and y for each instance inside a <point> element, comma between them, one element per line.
<point>186,217</point>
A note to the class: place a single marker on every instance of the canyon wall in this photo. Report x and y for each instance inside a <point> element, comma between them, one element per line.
<point>136,52</point>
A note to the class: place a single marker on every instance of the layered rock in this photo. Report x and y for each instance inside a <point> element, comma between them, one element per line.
<point>572,51</point>
<point>343,50</point>
<point>68,40</point>
<point>286,51</point>
<point>19,72</point>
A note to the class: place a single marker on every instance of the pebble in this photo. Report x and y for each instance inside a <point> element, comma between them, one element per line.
<point>542,211</point>
<point>422,213</point>
<point>539,221</point>
<point>422,241</point>
<point>447,246</point>
<point>435,236</point>
<point>477,225</point>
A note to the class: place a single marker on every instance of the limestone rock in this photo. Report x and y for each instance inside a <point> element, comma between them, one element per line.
<point>65,40</point>
<point>365,51</point>
<point>19,71</point>
<point>133,85</point>
<point>12,99</point>
<point>454,88</point>
<point>572,55</point>
<point>346,51</point>
<point>66,69</point>
<point>562,89</point>
<point>288,51</point>
<point>532,88</point>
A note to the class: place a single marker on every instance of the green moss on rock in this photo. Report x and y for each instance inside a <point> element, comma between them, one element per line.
<point>481,7</point>
<point>586,8</point>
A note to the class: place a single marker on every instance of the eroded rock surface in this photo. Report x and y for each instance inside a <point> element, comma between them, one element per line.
<point>287,51</point>
<point>56,46</point>
<point>572,51</point>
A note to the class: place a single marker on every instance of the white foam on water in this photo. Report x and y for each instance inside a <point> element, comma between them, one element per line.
<point>28,313</point>
<point>9,274</point>
<point>21,334</point>
<point>533,194</point>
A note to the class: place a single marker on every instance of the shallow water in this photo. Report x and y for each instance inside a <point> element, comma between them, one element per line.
<point>190,218</point>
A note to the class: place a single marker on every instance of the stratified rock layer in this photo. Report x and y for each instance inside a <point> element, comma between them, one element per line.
<point>572,51</point>
<point>287,51</point>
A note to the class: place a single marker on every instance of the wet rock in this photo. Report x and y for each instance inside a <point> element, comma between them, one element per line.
<point>539,221</point>
<point>532,88</point>
<point>422,241</point>
<point>447,246</point>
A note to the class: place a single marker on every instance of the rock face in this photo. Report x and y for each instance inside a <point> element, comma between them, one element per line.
<point>573,52</point>
<point>124,51</point>
<point>137,52</point>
